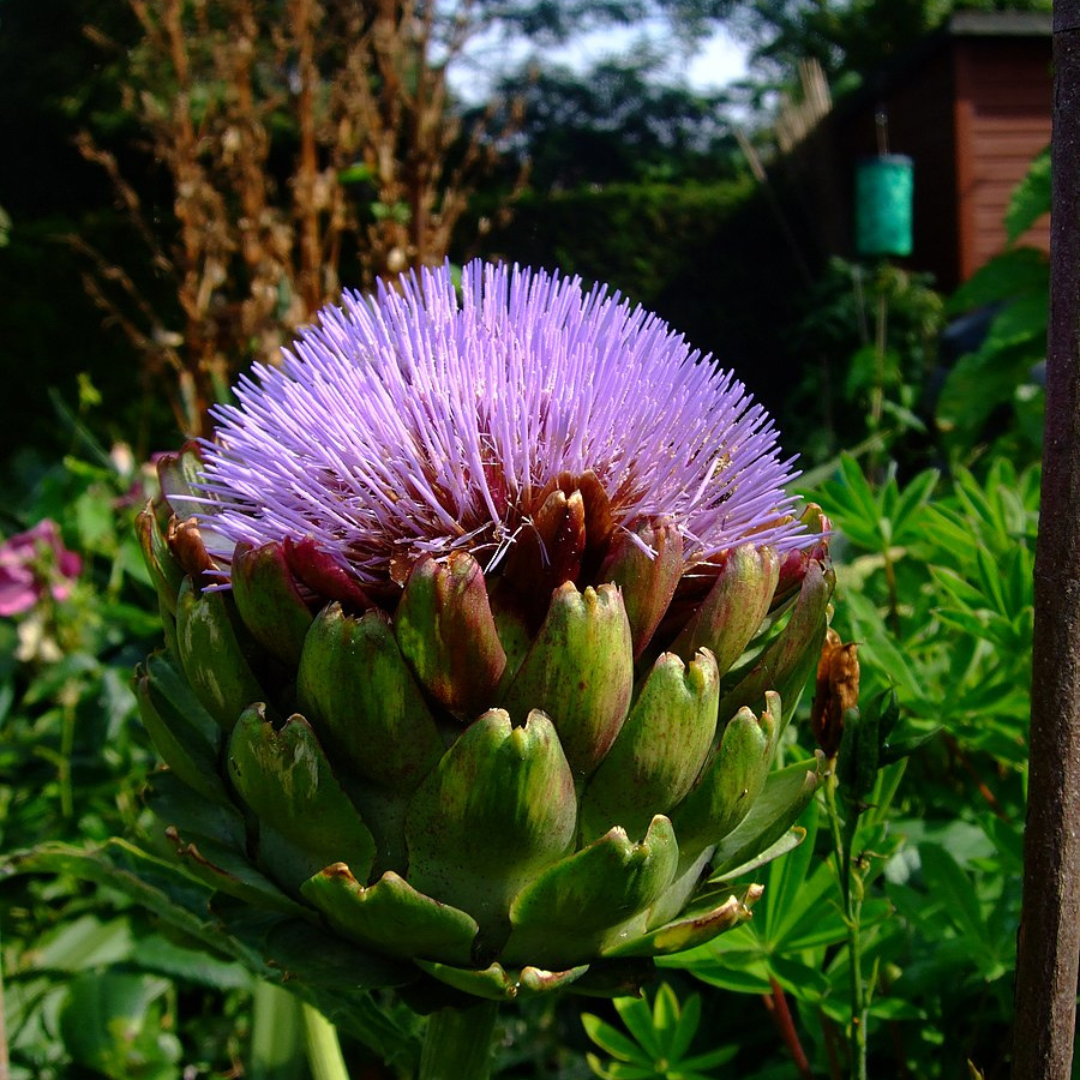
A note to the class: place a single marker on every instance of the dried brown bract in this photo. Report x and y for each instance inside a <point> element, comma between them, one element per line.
<point>835,691</point>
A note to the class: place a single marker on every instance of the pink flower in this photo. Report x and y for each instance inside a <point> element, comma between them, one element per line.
<point>32,562</point>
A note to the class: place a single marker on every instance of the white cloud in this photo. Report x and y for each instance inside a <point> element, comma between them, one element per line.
<point>720,62</point>
<point>715,63</point>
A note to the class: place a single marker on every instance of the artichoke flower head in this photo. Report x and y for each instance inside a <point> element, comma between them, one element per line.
<point>484,612</point>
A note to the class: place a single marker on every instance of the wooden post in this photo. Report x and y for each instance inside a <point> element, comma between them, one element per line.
<point>1046,977</point>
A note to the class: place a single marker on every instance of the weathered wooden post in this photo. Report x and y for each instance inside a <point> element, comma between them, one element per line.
<point>1046,978</point>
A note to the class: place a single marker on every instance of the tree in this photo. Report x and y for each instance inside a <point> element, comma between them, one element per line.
<point>305,142</point>
<point>617,121</point>
<point>845,38</point>
<point>297,138</point>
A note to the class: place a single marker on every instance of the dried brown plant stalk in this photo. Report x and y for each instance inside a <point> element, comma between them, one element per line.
<point>300,137</point>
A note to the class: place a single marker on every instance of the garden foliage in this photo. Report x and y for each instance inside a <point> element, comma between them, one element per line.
<point>900,907</point>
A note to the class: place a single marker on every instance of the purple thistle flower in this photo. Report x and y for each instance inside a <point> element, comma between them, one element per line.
<point>502,672</point>
<point>420,422</point>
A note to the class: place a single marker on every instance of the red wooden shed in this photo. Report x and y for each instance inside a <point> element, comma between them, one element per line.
<point>971,106</point>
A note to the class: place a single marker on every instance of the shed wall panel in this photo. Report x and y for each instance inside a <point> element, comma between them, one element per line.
<point>1009,91</point>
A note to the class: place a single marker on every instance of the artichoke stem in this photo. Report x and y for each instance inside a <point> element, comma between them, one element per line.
<point>323,1049</point>
<point>277,1049</point>
<point>459,1043</point>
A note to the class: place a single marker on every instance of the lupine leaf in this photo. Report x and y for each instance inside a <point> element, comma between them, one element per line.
<point>685,1029</point>
<point>612,1040</point>
<point>638,1018</point>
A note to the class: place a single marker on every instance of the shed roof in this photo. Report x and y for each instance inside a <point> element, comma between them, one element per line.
<point>1000,24</point>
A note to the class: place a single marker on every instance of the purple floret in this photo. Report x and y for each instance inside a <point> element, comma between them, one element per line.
<point>420,421</point>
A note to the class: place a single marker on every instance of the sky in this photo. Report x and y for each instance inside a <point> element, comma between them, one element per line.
<point>717,62</point>
<point>720,62</point>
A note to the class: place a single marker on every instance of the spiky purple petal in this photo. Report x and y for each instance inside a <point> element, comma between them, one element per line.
<point>419,422</point>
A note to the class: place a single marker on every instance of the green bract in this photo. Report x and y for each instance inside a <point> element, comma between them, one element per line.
<point>505,781</point>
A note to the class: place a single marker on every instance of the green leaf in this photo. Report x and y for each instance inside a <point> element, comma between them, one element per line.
<point>897,750</point>
<point>613,1041</point>
<point>990,577</point>
<point>1022,320</point>
<point>85,942</point>
<point>686,1025</point>
<point>173,803</point>
<point>713,911</point>
<point>1003,277</point>
<point>751,979</point>
<point>814,921</point>
<point>1030,200</point>
<point>785,885</point>
<point>788,842</point>
<point>878,648</point>
<point>860,490</point>
<point>324,971</point>
<point>958,587</point>
<point>981,382</point>
<point>665,1016</point>
<point>106,1026</point>
<point>720,1056</point>
<point>803,981</point>
<point>638,1018</point>
<point>620,1070</point>
<point>949,884</point>
<point>907,516</point>
<point>157,953</point>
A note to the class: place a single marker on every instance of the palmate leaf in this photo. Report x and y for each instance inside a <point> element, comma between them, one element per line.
<point>853,506</point>
<point>986,509</point>
<point>658,1041</point>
